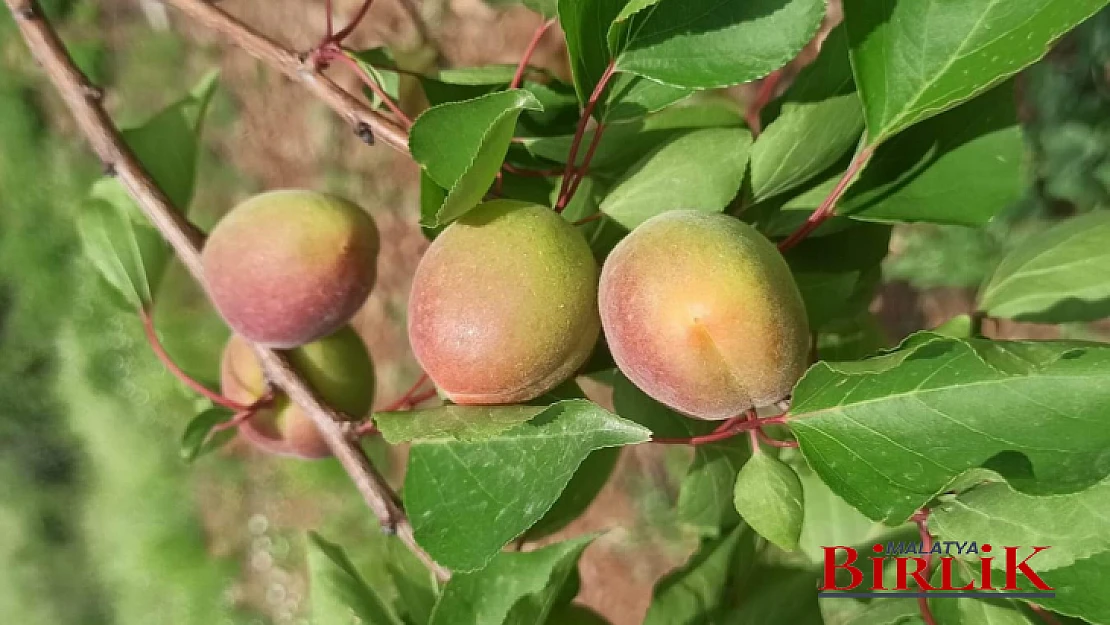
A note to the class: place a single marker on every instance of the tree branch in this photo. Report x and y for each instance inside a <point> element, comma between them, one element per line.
<point>296,68</point>
<point>83,100</point>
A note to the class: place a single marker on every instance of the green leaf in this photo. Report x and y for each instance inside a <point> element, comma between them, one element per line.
<point>631,97</point>
<point>379,64</point>
<point>975,610</point>
<point>691,594</point>
<point>699,170</point>
<point>461,146</point>
<point>884,612</point>
<point>1080,589</point>
<point>338,590</point>
<point>1059,276</point>
<point>828,520</point>
<point>1074,524</point>
<point>195,440</point>
<point>837,274</point>
<point>580,492</point>
<point>870,428</point>
<point>768,496</point>
<point>705,496</point>
<point>513,589</point>
<point>778,595</point>
<point>821,120</point>
<point>962,167</point>
<point>586,24</point>
<point>464,423</point>
<point>705,44</point>
<point>127,251</point>
<point>467,499</point>
<point>851,338</point>
<point>916,58</point>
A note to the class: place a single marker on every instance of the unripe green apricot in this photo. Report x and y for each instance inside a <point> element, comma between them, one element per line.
<point>337,367</point>
<point>504,304</point>
<point>702,313</point>
<point>285,268</point>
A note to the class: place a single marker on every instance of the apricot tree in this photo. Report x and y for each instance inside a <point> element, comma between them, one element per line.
<point>739,249</point>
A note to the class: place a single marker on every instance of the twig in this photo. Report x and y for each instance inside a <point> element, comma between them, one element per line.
<point>366,122</point>
<point>163,356</point>
<point>727,429</point>
<point>522,67</point>
<point>828,206</point>
<point>350,28</point>
<point>579,133</point>
<point>106,141</point>
<point>921,519</point>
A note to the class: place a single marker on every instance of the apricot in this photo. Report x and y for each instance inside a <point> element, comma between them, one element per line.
<point>285,268</point>
<point>339,369</point>
<point>702,313</point>
<point>504,304</point>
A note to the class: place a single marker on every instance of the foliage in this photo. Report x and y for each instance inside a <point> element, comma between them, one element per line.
<point>907,116</point>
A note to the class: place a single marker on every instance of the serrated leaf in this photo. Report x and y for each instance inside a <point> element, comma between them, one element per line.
<point>195,440</point>
<point>699,170</point>
<point>464,423</point>
<point>1062,275</point>
<point>1074,524</point>
<point>870,428</point>
<point>339,593</point>
<point>768,497</point>
<point>916,58</point>
<point>513,589</point>
<point>691,594</point>
<point>630,97</point>
<point>467,499</point>
<point>461,146</point>
<point>821,119</point>
<point>705,495</point>
<point>705,44</point>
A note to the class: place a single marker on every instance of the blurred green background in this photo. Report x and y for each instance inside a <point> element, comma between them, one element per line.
<point>101,522</point>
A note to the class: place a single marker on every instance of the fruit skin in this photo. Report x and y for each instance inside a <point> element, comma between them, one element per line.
<point>504,304</point>
<point>285,268</point>
<point>702,313</point>
<point>338,367</point>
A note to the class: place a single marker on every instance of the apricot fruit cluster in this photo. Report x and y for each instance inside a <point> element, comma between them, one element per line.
<point>338,367</point>
<point>700,311</point>
<point>285,268</point>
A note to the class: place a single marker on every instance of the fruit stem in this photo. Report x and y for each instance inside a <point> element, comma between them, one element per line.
<point>586,220</point>
<point>921,519</point>
<point>332,51</point>
<point>522,67</point>
<point>579,134</point>
<point>408,398</point>
<point>774,442</point>
<point>828,206</point>
<point>762,98</point>
<point>727,429</point>
<point>164,357</point>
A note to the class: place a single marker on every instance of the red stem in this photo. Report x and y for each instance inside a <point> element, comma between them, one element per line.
<point>343,34</point>
<point>828,206</point>
<point>774,442</point>
<point>240,417</point>
<point>763,97</point>
<point>727,429</point>
<point>160,352</point>
<point>580,172</point>
<point>332,52</point>
<point>1045,615</point>
<point>328,30</point>
<point>921,518</point>
<point>531,173</point>
<point>406,399</point>
<point>579,133</point>
<point>586,220</point>
<point>518,77</point>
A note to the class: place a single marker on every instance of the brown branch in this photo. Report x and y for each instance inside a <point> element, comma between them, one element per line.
<point>83,101</point>
<point>361,117</point>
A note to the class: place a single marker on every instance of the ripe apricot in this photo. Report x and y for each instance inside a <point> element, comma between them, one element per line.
<point>702,313</point>
<point>504,304</point>
<point>285,268</point>
<point>339,369</point>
